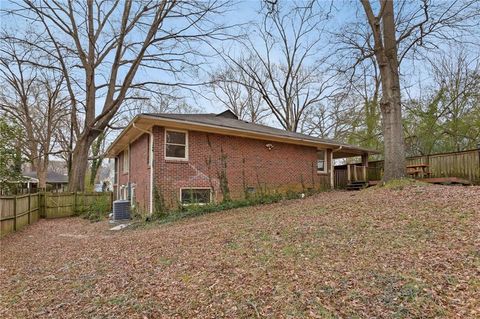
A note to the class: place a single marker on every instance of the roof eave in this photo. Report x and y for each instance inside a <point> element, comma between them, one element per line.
<point>151,120</point>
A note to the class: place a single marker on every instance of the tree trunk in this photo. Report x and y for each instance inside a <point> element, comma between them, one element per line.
<point>391,104</point>
<point>96,163</point>
<point>393,137</point>
<point>386,55</point>
<point>42,176</point>
<point>76,180</point>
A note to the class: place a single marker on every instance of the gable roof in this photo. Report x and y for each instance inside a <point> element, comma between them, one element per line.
<point>52,177</point>
<point>227,123</point>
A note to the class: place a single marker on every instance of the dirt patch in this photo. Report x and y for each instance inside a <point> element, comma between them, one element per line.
<point>413,252</point>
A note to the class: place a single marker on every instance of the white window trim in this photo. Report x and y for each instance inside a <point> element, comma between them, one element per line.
<point>200,204</point>
<point>123,192</point>
<point>165,146</point>
<point>325,166</point>
<point>132,195</point>
<point>126,159</point>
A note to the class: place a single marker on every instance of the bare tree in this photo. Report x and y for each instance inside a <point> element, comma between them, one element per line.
<point>446,116</point>
<point>33,99</point>
<point>283,63</point>
<point>386,55</point>
<point>235,90</point>
<point>394,32</point>
<point>457,77</point>
<point>334,118</point>
<point>104,49</point>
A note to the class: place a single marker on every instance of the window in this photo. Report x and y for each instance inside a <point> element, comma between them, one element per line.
<point>195,196</point>
<point>125,161</point>
<point>115,170</point>
<point>123,192</point>
<point>176,145</point>
<point>133,198</point>
<point>321,161</point>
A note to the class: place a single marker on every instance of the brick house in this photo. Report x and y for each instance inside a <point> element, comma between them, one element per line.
<point>182,158</point>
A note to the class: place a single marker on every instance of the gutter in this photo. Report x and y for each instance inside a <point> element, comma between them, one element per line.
<point>338,149</point>
<point>132,123</point>
<point>117,174</point>
<point>260,135</point>
<point>150,160</point>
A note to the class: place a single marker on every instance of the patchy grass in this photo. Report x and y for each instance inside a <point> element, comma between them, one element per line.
<point>406,252</point>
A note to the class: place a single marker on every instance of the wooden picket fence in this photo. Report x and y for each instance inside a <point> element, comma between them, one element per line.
<point>19,211</point>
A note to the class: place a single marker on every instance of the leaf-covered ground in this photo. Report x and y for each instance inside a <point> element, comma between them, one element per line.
<point>380,253</point>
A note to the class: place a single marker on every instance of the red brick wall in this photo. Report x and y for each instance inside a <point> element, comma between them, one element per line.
<point>138,173</point>
<point>249,163</point>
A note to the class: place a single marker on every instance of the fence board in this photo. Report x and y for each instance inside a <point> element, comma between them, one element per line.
<point>465,165</point>
<point>341,177</point>
<point>59,205</point>
<point>18,211</point>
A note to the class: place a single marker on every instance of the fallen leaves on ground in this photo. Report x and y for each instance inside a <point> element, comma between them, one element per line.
<point>379,253</point>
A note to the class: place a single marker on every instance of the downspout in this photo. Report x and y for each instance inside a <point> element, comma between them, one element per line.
<point>117,175</point>
<point>332,176</point>
<point>129,185</point>
<point>150,160</point>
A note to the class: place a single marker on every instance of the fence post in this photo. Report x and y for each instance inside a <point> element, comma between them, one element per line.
<point>41,205</point>
<point>15,213</point>
<point>29,210</point>
<point>74,203</point>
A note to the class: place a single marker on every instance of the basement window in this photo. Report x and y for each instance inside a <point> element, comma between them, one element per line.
<point>199,196</point>
<point>176,145</point>
<point>321,161</point>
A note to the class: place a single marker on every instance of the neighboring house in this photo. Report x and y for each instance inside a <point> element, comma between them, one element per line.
<point>178,159</point>
<point>55,181</point>
<point>54,166</point>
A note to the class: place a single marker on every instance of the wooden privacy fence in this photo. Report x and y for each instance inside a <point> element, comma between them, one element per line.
<point>465,165</point>
<point>18,211</point>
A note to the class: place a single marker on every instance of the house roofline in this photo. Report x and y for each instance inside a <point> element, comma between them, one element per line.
<point>151,120</point>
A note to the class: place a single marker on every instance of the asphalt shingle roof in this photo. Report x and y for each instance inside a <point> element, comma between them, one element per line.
<point>226,120</point>
<point>52,177</point>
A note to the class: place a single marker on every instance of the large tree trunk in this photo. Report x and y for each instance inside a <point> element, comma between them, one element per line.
<point>76,180</point>
<point>393,136</point>
<point>390,104</point>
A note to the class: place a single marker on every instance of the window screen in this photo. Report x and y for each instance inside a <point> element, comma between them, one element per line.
<point>195,196</point>
<point>176,144</point>
<point>321,163</point>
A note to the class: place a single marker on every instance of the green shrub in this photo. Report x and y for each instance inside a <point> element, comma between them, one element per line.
<point>97,210</point>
